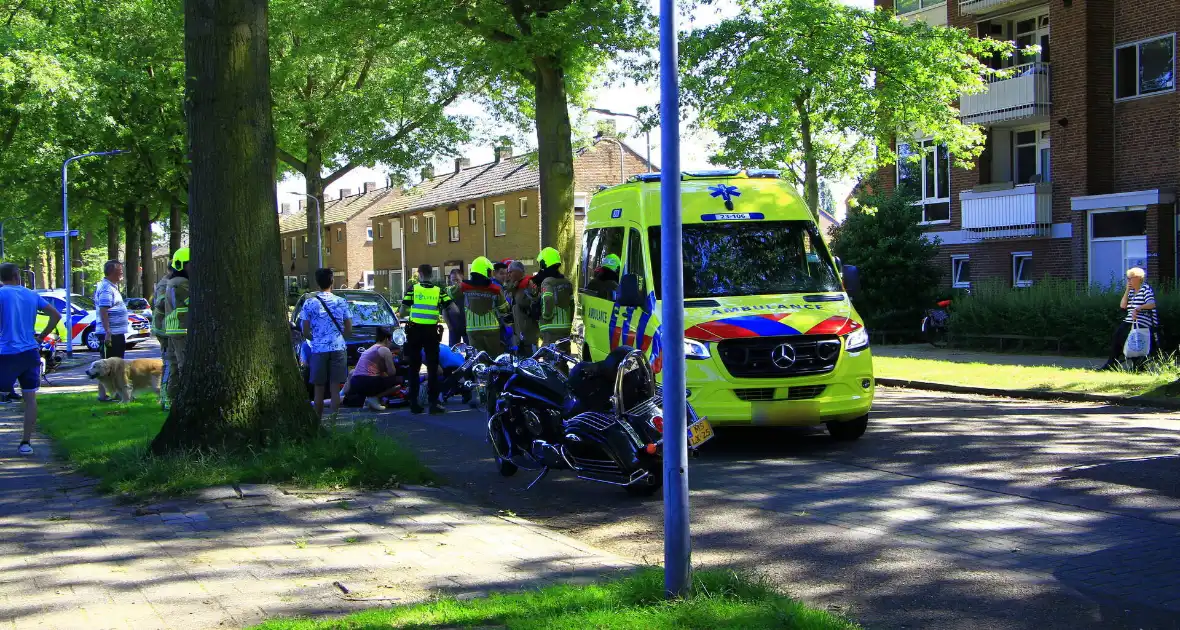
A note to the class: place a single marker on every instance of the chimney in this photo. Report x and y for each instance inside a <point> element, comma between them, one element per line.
<point>606,128</point>
<point>504,149</point>
<point>344,192</point>
<point>427,172</point>
<point>461,163</point>
<point>370,186</point>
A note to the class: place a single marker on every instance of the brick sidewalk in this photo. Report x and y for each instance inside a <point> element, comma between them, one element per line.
<point>70,558</point>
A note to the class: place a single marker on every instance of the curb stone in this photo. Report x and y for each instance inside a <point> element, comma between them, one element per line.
<point>1028,394</point>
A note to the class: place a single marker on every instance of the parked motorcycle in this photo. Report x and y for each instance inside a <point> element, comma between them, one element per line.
<point>935,324</point>
<point>604,421</point>
<point>51,356</point>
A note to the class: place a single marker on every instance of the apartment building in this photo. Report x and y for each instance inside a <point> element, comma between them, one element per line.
<point>1082,161</point>
<point>347,241</point>
<point>488,210</point>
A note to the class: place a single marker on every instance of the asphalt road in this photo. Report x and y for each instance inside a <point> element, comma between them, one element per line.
<point>953,512</point>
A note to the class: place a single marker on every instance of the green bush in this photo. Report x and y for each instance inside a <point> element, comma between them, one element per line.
<point>882,237</point>
<point>1083,317</point>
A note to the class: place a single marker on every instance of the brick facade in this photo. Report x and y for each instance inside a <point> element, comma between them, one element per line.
<point>1098,145</point>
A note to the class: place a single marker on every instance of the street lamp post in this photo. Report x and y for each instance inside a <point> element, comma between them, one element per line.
<point>646,132</point>
<point>677,545</point>
<point>65,240</point>
<point>319,252</point>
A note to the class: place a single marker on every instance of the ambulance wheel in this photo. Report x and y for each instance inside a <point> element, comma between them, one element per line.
<point>848,430</point>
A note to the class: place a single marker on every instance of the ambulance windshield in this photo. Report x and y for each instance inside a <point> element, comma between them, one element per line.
<point>740,258</point>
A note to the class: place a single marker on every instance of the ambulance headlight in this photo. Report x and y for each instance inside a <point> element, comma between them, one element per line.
<point>695,350</point>
<point>856,340</point>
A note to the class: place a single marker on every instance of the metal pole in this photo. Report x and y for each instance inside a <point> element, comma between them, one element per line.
<point>677,547</point>
<point>319,252</point>
<point>65,239</point>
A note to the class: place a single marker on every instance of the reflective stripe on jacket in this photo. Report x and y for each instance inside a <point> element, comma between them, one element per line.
<point>557,304</point>
<point>482,305</point>
<point>176,308</point>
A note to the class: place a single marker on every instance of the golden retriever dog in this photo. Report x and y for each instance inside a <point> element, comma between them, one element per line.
<point>124,378</point>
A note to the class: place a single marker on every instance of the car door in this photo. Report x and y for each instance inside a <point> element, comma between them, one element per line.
<point>596,308</point>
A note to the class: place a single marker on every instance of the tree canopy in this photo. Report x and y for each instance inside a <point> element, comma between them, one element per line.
<point>820,89</point>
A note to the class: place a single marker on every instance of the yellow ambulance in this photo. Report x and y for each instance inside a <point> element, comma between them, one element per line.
<point>771,337</point>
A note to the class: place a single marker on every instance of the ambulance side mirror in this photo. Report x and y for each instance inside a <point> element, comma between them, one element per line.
<point>851,281</point>
<point>629,293</point>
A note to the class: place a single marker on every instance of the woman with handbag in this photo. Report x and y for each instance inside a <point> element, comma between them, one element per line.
<point>1135,336</point>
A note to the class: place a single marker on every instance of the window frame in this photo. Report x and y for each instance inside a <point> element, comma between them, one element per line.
<point>500,214</point>
<point>369,233</point>
<point>921,166</point>
<point>380,230</point>
<point>414,224</point>
<point>956,263</point>
<point>922,6</point>
<point>524,207</point>
<point>431,228</point>
<point>471,214</point>
<point>339,235</point>
<point>305,246</point>
<point>1138,76</point>
<point>1123,240</point>
<point>1018,260</point>
<point>395,229</point>
<point>1041,144</point>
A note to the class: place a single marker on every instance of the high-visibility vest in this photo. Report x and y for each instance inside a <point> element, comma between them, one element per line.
<point>425,308</point>
<point>176,308</point>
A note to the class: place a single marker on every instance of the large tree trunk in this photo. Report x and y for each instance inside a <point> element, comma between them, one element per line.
<point>112,236</point>
<point>145,252</point>
<point>555,156</point>
<point>175,240</point>
<point>239,384</point>
<point>131,238</point>
<point>810,163</point>
<point>314,186</point>
<point>41,267</point>
<point>58,279</point>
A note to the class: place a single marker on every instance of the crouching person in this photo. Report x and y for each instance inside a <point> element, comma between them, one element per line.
<point>375,375</point>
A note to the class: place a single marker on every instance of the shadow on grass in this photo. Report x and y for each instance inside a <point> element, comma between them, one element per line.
<point>110,441</point>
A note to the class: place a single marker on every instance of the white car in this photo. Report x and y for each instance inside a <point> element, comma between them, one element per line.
<point>85,312</point>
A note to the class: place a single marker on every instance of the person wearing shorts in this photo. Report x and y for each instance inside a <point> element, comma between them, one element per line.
<point>327,320</point>
<point>375,375</point>
<point>111,323</point>
<point>20,348</point>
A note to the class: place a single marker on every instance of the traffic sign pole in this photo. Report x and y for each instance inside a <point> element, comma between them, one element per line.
<point>677,547</point>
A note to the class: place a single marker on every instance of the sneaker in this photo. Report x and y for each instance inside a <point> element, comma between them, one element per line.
<point>437,409</point>
<point>13,397</point>
<point>372,404</point>
<point>25,448</point>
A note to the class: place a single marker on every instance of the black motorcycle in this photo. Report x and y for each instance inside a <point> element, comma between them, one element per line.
<point>604,421</point>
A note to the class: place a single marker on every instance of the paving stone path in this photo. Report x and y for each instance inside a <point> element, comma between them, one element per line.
<point>234,556</point>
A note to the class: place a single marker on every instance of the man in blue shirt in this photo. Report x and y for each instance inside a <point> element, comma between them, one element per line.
<point>20,349</point>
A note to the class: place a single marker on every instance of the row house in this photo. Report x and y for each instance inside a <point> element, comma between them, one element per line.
<point>1082,160</point>
<point>488,210</point>
<point>348,239</point>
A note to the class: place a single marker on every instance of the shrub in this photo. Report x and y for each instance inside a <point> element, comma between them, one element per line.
<point>1083,317</point>
<point>882,237</point>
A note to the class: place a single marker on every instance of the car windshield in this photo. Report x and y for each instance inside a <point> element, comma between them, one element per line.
<point>137,304</point>
<point>83,302</point>
<point>730,259</point>
<point>370,310</point>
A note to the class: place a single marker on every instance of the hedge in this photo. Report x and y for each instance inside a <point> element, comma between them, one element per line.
<point>1083,317</point>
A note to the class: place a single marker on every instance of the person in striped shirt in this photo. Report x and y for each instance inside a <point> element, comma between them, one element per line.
<point>1139,302</point>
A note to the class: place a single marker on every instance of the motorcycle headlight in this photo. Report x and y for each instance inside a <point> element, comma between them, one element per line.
<point>398,337</point>
<point>695,350</point>
<point>856,340</point>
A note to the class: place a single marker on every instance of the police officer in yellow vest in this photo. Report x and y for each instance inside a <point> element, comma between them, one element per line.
<point>423,307</point>
<point>483,302</point>
<point>176,296</point>
<point>557,299</point>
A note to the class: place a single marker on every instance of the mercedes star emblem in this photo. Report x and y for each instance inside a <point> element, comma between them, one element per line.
<point>783,356</point>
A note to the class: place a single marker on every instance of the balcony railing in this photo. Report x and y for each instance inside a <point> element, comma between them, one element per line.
<point>979,7</point>
<point>1023,91</point>
<point>1017,212</point>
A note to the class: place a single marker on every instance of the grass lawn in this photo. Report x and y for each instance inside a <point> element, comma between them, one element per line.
<point>109,441</point>
<point>1152,382</point>
<point>722,600</point>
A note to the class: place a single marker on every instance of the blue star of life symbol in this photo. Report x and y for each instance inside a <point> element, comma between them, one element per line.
<point>726,192</point>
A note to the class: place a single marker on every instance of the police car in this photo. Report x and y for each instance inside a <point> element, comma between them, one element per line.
<point>82,321</point>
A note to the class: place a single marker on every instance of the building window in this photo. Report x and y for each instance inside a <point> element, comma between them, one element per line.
<point>431,229</point>
<point>1030,154</point>
<point>501,212</point>
<point>961,271</point>
<point>471,214</point>
<point>524,206</point>
<point>380,230</point>
<point>1022,269</point>
<point>1118,241</point>
<point>909,6</point>
<point>924,171</point>
<point>453,225</point>
<point>581,201</point>
<point>305,247</point>
<point>369,233</point>
<point>1146,67</point>
<point>1032,30</point>
<point>414,224</point>
<point>339,235</point>
<point>395,234</point>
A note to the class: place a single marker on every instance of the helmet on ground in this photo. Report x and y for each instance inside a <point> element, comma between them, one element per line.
<point>611,262</point>
<point>482,266</point>
<point>180,259</point>
<point>549,257</point>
